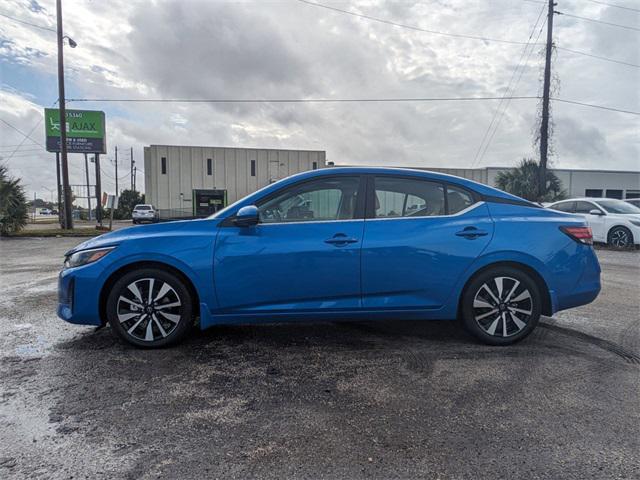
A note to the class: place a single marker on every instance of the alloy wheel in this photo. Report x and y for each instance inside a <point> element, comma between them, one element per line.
<point>502,306</point>
<point>620,238</point>
<point>149,309</point>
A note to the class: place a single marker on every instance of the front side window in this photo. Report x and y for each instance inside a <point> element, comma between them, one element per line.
<point>318,200</point>
<point>403,197</point>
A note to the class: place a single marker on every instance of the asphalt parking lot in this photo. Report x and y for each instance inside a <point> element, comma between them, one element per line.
<point>371,400</point>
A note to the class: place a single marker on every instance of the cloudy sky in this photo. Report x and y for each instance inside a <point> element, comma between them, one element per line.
<point>289,49</point>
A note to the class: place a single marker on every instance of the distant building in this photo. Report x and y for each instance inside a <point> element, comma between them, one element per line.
<point>190,181</point>
<point>577,183</point>
<point>186,181</point>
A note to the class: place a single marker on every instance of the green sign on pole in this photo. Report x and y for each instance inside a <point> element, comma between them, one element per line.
<point>85,131</point>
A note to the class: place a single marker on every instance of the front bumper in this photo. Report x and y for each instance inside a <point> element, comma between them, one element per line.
<point>78,296</point>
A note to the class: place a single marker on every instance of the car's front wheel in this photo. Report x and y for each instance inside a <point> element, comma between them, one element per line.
<point>501,306</point>
<point>150,308</point>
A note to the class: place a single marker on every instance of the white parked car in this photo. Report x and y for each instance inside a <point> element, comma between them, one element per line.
<point>614,222</point>
<point>45,211</point>
<point>144,213</point>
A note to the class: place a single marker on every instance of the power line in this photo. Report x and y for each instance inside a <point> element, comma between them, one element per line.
<point>602,107</point>
<point>596,21</point>
<point>411,27</point>
<point>338,100</point>
<point>296,100</point>
<point>22,133</point>
<point>606,59</point>
<point>28,23</point>
<point>28,136</point>
<point>614,6</point>
<point>388,22</point>
<point>495,130</point>
<point>496,113</point>
<point>15,145</point>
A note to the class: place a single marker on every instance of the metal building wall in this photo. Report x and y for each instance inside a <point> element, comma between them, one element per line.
<point>187,170</point>
<point>574,181</point>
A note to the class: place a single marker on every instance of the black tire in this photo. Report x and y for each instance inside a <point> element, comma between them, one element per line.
<point>486,314</point>
<point>620,238</point>
<point>170,311</point>
<point>134,221</point>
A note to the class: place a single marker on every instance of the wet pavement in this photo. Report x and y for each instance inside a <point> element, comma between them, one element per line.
<point>370,400</point>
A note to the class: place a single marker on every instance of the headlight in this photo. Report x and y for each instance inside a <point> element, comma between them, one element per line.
<point>635,222</point>
<point>84,257</point>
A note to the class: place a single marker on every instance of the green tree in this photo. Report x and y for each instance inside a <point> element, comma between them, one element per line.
<point>523,182</point>
<point>13,203</point>
<point>128,199</point>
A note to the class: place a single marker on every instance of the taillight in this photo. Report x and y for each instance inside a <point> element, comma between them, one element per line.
<point>579,234</point>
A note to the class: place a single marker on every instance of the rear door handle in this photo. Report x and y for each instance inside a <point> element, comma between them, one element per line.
<point>471,233</point>
<point>340,239</point>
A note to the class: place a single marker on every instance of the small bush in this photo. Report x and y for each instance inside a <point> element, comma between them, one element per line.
<point>13,203</point>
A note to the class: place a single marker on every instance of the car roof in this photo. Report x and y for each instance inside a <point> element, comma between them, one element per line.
<point>586,199</point>
<point>480,188</point>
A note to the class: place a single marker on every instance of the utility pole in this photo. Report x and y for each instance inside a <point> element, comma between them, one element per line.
<point>116,171</point>
<point>86,171</point>
<point>544,127</point>
<point>135,174</point>
<point>68,219</point>
<point>60,212</point>
<point>131,172</point>
<point>98,191</point>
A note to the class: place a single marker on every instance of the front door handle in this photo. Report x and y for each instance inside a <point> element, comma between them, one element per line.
<point>471,233</point>
<point>340,239</point>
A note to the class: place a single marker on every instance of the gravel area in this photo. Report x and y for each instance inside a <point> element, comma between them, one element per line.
<point>325,400</point>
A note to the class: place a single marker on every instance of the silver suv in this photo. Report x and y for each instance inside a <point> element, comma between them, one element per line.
<point>144,213</point>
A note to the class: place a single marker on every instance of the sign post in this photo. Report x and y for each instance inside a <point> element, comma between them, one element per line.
<point>84,133</point>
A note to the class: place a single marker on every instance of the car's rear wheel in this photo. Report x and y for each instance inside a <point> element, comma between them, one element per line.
<point>501,306</point>
<point>150,308</point>
<point>620,238</point>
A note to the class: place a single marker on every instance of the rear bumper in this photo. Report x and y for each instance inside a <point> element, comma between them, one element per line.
<point>586,289</point>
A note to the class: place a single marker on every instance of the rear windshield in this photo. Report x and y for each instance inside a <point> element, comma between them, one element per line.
<point>142,207</point>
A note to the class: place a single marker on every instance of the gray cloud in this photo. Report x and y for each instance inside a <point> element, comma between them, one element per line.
<point>198,49</point>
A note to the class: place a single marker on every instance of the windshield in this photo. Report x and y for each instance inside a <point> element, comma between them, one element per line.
<point>142,207</point>
<point>618,206</point>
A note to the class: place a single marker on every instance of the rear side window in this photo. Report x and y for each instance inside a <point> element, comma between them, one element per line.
<point>458,199</point>
<point>564,207</point>
<point>405,197</point>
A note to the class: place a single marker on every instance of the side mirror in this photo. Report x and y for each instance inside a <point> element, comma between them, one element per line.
<point>247,216</point>
<point>595,211</point>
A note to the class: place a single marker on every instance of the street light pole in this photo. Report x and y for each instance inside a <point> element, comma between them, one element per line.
<point>63,123</point>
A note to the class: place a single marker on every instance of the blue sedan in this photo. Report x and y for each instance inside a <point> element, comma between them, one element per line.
<point>339,244</point>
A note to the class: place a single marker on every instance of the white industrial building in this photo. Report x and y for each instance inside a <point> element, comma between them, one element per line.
<point>577,183</point>
<point>184,181</point>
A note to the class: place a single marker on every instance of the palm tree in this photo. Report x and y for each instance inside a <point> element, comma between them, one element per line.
<point>13,203</point>
<point>523,182</point>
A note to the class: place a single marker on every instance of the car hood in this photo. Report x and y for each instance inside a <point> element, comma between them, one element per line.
<point>117,237</point>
